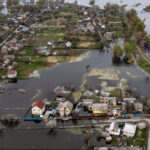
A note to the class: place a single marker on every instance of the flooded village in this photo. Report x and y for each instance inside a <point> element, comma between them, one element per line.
<point>73,74</point>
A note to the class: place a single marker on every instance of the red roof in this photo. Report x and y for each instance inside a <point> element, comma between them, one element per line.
<point>39,104</point>
<point>11,72</point>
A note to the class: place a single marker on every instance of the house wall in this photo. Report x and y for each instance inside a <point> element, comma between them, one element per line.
<point>37,111</point>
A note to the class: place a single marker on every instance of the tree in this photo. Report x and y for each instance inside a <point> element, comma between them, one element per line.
<point>76,2</point>
<point>29,41</point>
<point>92,2</point>
<point>128,48</point>
<point>12,2</point>
<point>117,51</point>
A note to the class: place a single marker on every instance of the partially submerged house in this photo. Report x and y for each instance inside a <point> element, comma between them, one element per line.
<point>65,108</point>
<point>38,108</point>
<point>129,129</point>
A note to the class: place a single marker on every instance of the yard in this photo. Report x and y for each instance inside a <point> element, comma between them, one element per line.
<point>54,33</point>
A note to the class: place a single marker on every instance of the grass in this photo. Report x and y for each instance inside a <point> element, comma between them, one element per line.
<point>47,35</point>
<point>119,34</point>
<point>139,139</point>
<point>28,51</point>
<point>144,65</point>
<point>24,69</point>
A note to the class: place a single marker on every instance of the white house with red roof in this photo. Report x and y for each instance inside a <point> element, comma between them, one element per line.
<point>12,74</point>
<point>38,108</point>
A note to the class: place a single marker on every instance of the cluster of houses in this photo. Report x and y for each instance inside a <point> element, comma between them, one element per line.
<point>98,103</point>
<point>62,106</point>
<point>22,27</point>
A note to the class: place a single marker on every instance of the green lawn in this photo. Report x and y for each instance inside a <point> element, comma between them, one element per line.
<point>28,51</point>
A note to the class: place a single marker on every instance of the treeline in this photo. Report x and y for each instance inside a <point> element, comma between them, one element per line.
<point>136,36</point>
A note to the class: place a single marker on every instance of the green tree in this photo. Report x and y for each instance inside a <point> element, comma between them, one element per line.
<point>128,48</point>
<point>92,2</point>
<point>117,51</point>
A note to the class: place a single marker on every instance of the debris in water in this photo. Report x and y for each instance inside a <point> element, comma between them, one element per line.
<point>37,94</point>
<point>10,119</point>
<point>35,74</point>
<point>22,90</point>
<point>131,75</point>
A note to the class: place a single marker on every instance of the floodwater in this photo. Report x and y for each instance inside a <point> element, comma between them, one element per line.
<point>12,101</point>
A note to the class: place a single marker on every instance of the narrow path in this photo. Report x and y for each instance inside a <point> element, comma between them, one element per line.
<point>143,55</point>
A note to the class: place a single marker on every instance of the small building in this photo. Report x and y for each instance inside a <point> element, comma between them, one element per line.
<point>12,74</point>
<point>129,129</point>
<point>65,108</point>
<point>110,100</point>
<point>88,95</point>
<point>99,108</point>
<point>129,99</point>
<point>115,112</point>
<point>68,44</point>
<point>38,108</point>
<point>109,36</point>
<point>114,129</point>
<point>86,102</point>
<point>138,107</point>
<point>44,51</point>
<point>101,148</point>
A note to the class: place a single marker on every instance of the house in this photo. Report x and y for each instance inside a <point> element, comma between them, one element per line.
<point>98,108</point>
<point>114,128</point>
<point>44,51</point>
<point>129,129</point>
<point>115,112</point>
<point>4,50</point>
<point>65,108</point>
<point>87,102</point>
<point>108,36</point>
<point>38,108</point>
<point>88,95</point>
<point>110,100</point>
<point>12,74</point>
<point>129,100</point>
<point>138,107</point>
<point>101,148</point>
<point>68,44</point>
